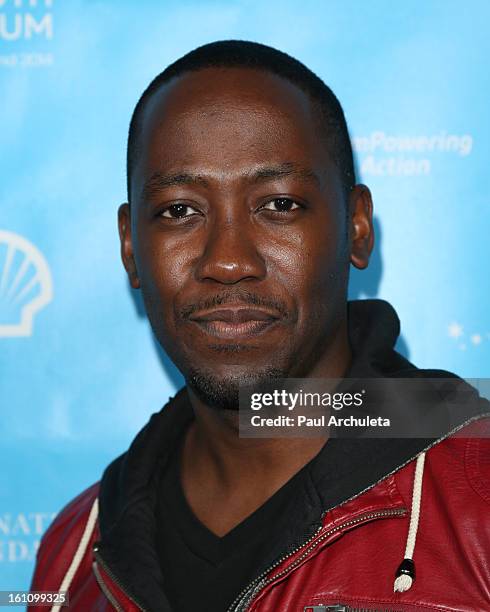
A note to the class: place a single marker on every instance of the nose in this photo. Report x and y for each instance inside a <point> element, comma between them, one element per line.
<point>230,256</point>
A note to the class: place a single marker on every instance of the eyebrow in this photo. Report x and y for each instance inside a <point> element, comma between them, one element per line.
<point>281,170</point>
<point>160,180</point>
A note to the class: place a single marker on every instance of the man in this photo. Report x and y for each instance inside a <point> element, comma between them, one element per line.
<point>243,218</point>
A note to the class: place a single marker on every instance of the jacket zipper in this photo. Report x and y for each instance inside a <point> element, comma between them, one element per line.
<point>252,590</point>
<point>342,608</point>
<point>105,589</point>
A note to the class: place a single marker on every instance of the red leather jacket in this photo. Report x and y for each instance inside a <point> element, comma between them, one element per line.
<point>349,564</point>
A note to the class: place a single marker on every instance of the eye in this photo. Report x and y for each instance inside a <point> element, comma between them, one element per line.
<point>178,211</point>
<point>280,205</point>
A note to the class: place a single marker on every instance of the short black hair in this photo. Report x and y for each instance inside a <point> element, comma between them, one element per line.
<point>246,54</point>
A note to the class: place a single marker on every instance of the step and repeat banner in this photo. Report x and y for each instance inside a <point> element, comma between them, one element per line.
<point>79,370</point>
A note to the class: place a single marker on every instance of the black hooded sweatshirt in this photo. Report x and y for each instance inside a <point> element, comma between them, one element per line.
<point>152,542</point>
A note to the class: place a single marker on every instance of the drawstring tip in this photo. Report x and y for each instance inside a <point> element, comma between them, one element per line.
<point>405,575</point>
<point>402,584</point>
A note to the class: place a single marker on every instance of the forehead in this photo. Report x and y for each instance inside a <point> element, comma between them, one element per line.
<point>225,120</point>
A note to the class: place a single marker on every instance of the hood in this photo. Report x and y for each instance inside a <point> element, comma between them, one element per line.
<point>128,488</point>
<point>374,328</point>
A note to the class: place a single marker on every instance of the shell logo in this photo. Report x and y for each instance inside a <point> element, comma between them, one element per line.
<point>26,285</point>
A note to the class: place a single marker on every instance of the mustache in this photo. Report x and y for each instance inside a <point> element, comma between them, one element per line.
<point>234,297</point>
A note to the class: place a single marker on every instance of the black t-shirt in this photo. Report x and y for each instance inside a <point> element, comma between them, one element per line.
<point>202,571</point>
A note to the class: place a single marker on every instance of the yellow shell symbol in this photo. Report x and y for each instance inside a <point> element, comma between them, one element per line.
<point>26,285</point>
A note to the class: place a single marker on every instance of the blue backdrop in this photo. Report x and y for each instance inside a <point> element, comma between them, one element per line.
<point>79,370</point>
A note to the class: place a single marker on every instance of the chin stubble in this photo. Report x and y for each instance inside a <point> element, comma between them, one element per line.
<point>222,393</point>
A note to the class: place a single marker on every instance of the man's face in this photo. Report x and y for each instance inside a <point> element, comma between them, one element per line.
<point>238,233</point>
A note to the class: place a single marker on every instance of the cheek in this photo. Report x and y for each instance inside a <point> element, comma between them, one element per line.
<point>310,261</point>
<point>164,267</point>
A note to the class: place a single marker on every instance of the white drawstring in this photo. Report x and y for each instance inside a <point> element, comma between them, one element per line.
<point>82,547</point>
<point>405,574</point>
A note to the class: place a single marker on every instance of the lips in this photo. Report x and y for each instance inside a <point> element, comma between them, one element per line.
<point>234,322</point>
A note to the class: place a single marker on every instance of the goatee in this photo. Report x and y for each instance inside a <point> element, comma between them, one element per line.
<point>224,393</point>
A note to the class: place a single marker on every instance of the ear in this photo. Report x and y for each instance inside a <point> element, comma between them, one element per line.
<point>361,226</point>
<point>127,254</point>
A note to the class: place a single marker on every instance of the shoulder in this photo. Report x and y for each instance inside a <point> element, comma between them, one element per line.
<point>466,451</point>
<point>74,511</point>
<point>457,471</point>
<point>476,440</point>
<point>61,541</point>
